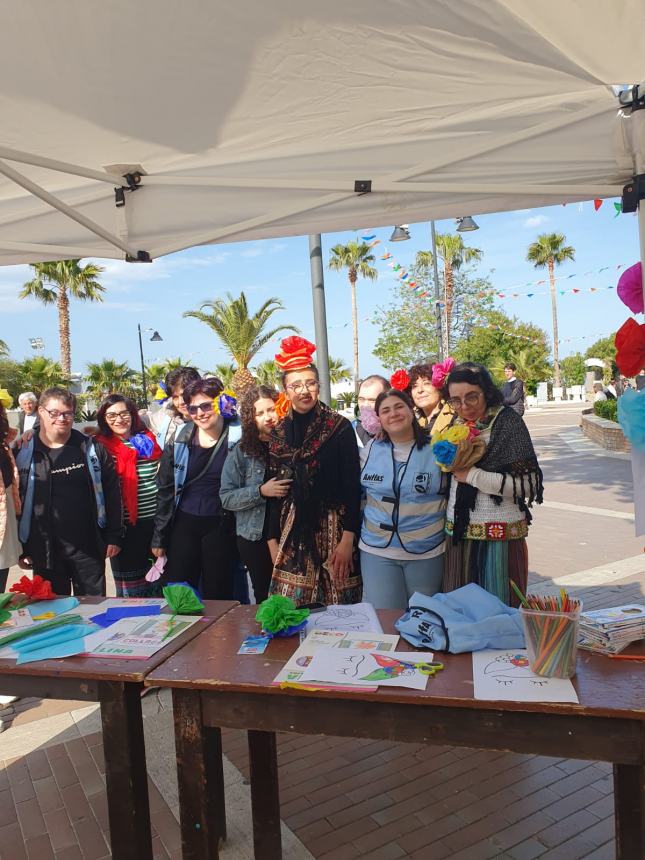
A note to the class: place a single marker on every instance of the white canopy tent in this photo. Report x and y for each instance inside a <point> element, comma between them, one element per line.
<point>250,120</point>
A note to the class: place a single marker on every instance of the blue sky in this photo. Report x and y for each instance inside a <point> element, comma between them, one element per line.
<point>156,295</point>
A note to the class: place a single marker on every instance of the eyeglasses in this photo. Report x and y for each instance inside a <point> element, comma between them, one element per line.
<point>118,416</point>
<point>471,399</point>
<point>206,407</point>
<point>297,387</point>
<point>54,414</point>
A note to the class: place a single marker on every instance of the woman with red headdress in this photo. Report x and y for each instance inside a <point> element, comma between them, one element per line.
<point>313,531</point>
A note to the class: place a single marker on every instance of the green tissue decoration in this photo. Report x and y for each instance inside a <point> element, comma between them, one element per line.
<point>25,632</point>
<point>182,600</point>
<point>278,613</point>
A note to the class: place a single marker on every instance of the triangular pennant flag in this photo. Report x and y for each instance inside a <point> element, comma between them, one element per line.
<point>597,204</point>
<point>396,267</point>
<point>368,238</point>
<point>562,292</point>
<point>386,256</point>
<point>618,206</point>
<point>375,242</point>
<point>592,289</point>
<point>574,290</point>
<point>530,295</point>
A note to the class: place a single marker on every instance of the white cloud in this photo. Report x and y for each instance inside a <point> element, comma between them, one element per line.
<point>254,251</point>
<point>535,221</point>
<point>279,246</point>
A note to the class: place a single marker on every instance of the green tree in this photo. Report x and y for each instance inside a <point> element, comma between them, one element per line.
<point>57,282</point>
<point>267,373</point>
<point>501,339</point>
<point>225,372</point>
<point>338,372</point>
<point>243,335</point>
<point>408,324</point>
<point>453,255</point>
<point>11,378</point>
<point>110,377</point>
<point>549,250</point>
<point>573,369</point>
<point>4,349</point>
<point>38,373</point>
<point>357,258</point>
<point>605,348</point>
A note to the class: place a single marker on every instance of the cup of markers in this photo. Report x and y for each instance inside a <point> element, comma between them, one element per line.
<point>551,633</point>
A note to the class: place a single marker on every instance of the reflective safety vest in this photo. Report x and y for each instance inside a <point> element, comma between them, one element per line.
<point>405,502</point>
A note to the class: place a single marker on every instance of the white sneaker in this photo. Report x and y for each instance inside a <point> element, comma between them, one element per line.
<point>7,700</point>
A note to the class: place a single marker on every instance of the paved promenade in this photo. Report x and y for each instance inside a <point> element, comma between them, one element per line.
<point>344,799</point>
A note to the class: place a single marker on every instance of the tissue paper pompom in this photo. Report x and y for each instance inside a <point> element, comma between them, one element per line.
<point>282,406</point>
<point>441,370</point>
<point>630,347</point>
<point>630,288</point>
<point>278,614</point>
<point>444,453</point>
<point>36,588</point>
<point>631,416</point>
<point>370,420</point>
<point>400,380</point>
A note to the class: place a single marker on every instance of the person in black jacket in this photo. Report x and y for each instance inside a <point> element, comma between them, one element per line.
<point>513,389</point>
<point>71,501</point>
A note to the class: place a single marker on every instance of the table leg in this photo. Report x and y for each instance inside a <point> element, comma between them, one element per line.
<point>200,775</point>
<point>265,795</point>
<point>125,770</point>
<point>629,806</point>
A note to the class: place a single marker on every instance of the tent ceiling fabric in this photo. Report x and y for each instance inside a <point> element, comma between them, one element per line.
<point>254,120</point>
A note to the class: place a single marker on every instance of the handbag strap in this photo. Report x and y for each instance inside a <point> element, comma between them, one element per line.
<point>440,619</point>
<point>223,437</point>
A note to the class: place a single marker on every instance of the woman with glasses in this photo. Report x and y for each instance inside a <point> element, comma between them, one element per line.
<point>10,548</point>
<point>171,415</point>
<point>313,530</point>
<point>402,534</point>
<point>136,458</point>
<point>191,528</point>
<point>248,483</point>
<point>430,407</point>
<point>488,507</point>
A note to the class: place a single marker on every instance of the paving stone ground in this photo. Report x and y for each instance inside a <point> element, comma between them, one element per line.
<point>350,798</point>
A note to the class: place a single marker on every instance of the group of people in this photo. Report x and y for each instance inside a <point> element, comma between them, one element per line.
<point>209,487</point>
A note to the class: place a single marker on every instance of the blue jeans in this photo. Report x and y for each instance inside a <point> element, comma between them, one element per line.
<point>389,583</point>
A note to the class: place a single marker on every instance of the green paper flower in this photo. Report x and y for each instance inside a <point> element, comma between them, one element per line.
<point>182,600</point>
<point>278,613</point>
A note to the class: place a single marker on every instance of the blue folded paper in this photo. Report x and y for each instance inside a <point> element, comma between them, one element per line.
<point>57,642</point>
<point>56,607</point>
<point>116,613</point>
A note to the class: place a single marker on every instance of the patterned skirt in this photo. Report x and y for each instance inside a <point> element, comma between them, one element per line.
<point>491,564</point>
<point>301,571</point>
<point>130,566</point>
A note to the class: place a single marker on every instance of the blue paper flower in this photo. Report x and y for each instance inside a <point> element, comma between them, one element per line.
<point>227,406</point>
<point>142,444</point>
<point>631,416</point>
<point>444,453</point>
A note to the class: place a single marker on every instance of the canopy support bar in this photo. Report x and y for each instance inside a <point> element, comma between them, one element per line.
<point>60,166</point>
<point>56,203</point>
<point>63,251</point>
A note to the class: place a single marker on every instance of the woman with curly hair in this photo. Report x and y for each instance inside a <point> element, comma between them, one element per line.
<point>10,548</point>
<point>247,483</point>
<point>136,456</point>
<point>424,388</point>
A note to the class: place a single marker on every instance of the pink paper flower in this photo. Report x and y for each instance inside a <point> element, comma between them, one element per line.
<point>630,289</point>
<point>441,370</point>
<point>370,420</point>
<point>156,570</point>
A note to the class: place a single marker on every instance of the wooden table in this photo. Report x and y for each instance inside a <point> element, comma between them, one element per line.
<point>117,685</point>
<point>215,687</point>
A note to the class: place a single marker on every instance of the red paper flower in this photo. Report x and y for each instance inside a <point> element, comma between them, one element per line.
<point>35,589</point>
<point>282,406</point>
<point>296,353</point>
<point>630,347</point>
<point>400,380</point>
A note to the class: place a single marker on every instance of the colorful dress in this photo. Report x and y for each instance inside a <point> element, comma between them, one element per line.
<point>488,517</point>
<point>320,449</point>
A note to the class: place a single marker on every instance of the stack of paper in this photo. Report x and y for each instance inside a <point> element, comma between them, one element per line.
<point>609,631</point>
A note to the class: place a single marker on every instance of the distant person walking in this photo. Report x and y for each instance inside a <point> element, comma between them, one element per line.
<point>513,389</point>
<point>599,392</point>
<point>28,403</point>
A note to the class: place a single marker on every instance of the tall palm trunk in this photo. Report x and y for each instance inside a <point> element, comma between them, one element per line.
<point>449,300</point>
<point>352,283</point>
<point>554,311</point>
<point>63,331</point>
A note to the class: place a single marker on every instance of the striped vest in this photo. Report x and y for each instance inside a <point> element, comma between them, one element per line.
<point>405,503</point>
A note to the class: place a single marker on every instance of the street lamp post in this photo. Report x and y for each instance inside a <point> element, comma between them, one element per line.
<point>437,294</point>
<point>155,338</point>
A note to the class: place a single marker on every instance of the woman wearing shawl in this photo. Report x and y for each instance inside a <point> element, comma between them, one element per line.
<point>425,384</point>
<point>136,458</point>
<point>488,507</point>
<point>313,531</point>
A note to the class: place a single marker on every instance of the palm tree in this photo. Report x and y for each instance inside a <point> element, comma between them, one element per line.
<point>4,349</point>
<point>55,283</point>
<point>267,373</point>
<point>357,259</point>
<point>548,250</point>
<point>225,372</point>
<point>453,254</point>
<point>39,373</point>
<point>338,372</point>
<point>156,372</point>
<point>243,335</point>
<point>110,377</point>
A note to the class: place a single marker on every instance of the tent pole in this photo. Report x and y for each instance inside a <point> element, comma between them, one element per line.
<point>320,316</point>
<point>437,294</point>
<point>60,166</point>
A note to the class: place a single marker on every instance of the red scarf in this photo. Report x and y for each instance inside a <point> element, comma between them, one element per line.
<point>125,459</point>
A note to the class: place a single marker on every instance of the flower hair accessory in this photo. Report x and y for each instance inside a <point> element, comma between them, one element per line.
<point>441,370</point>
<point>226,404</point>
<point>296,353</point>
<point>161,394</point>
<point>5,398</point>
<point>282,406</point>
<point>400,380</point>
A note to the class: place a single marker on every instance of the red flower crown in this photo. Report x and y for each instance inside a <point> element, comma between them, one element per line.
<point>295,354</point>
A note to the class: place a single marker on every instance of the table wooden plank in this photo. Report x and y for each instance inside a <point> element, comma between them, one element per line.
<point>606,688</point>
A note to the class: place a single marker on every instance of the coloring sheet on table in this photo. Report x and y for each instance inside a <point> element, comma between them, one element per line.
<point>352,667</point>
<point>137,638</point>
<point>295,666</point>
<point>87,610</point>
<point>355,618</point>
<point>505,676</point>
